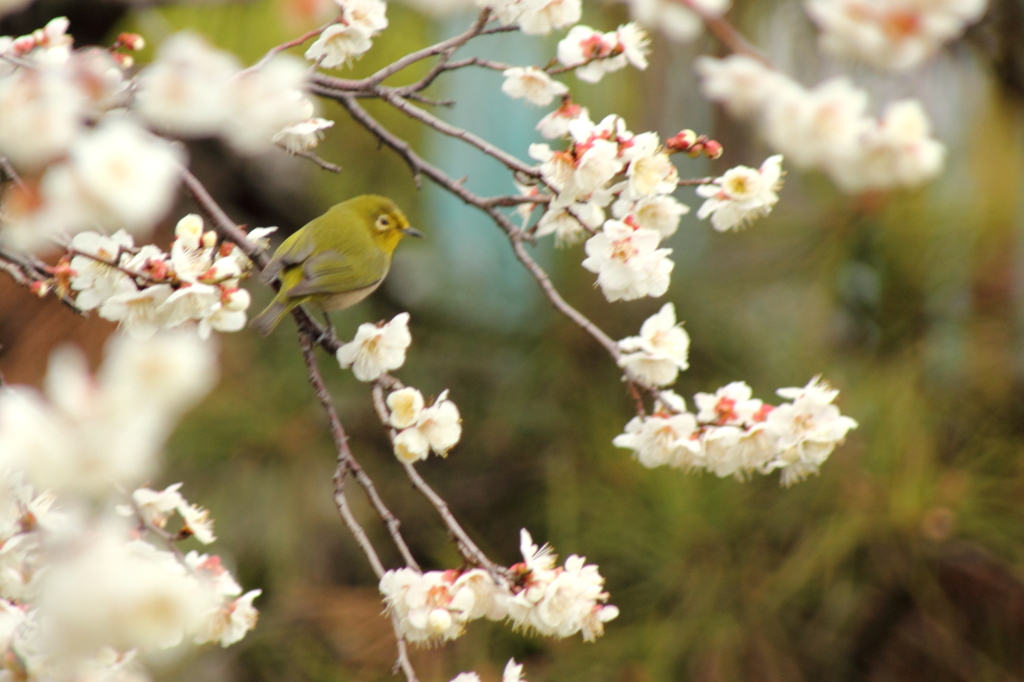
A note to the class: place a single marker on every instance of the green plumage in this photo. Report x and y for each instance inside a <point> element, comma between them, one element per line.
<point>336,260</point>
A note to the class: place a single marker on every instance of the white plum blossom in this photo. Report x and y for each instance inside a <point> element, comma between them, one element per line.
<point>435,427</point>
<point>376,349</point>
<point>535,17</point>
<point>90,433</point>
<point>139,597</point>
<point>126,175</point>
<point>339,44</point>
<point>821,127</point>
<point>195,90</point>
<point>733,434</point>
<point>659,212</point>
<point>95,278</point>
<point>302,136</point>
<point>42,111</point>
<point>730,405</point>
<point>155,507</point>
<point>663,439</point>
<point>138,311</point>
<point>265,100</point>
<point>650,171</point>
<point>742,195</point>
<point>807,430</point>
<point>531,84</point>
<point>405,405</point>
<point>556,124</point>
<point>679,21</point>
<point>187,88</point>
<point>742,84</point>
<point>628,262</point>
<point>540,17</point>
<point>591,53</point>
<point>827,126</point>
<point>559,601</point>
<point>891,34</point>
<point>513,672</point>
<point>369,14</point>
<point>570,224</point>
<point>656,356</point>
<point>897,150</point>
<point>430,607</point>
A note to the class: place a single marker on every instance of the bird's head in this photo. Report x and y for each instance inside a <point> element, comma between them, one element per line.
<point>386,222</point>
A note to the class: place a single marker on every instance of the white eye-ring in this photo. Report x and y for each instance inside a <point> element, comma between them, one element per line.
<point>383,223</point>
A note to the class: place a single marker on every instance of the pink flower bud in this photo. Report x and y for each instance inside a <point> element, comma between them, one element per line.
<point>713,149</point>
<point>681,141</point>
<point>131,41</point>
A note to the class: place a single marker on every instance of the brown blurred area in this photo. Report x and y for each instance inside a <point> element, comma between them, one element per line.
<point>903,561</point>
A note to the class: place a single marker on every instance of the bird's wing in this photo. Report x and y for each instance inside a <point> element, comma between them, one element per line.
<point>292,251</point>
<point>333,272</point>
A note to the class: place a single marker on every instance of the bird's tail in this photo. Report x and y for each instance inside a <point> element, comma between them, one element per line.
<point>271,316</point>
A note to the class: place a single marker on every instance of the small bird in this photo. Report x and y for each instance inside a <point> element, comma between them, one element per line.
<point>336,260</point>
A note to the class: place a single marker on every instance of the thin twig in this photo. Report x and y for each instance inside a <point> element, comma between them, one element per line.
<point>400,103</point>
<point>9,171</point>
<point>224,224</point>
<point>26,271</point>
<point>285,46</point>
<point>346,461</point>
<point>326,165</point>
<point>696,181</point>
<point>477,61</point>
<point>725,32</point>
<point>452,43</point>
<point>560,303</point>
<point>467,548</point>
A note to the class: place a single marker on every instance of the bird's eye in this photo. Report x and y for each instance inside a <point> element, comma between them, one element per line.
<point>383,222</point>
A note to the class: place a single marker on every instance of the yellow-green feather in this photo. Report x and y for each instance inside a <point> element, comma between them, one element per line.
<point>340,252</point>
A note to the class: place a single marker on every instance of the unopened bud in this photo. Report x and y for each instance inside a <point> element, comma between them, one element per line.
<point>681,141</point>
<point>209,239</point>
<point>40,289</point>
<point>713,149</point>
<point>225,249</point>
<point>131,41</point>
<point>23,45</point>
<point>125,61</point>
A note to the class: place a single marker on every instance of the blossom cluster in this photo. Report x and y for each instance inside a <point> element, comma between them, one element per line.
<point>535,17</point>
<point>537,595</point>
<point>681,21</point>
<point>423,428</point>
<point>607,168</point>
<point>513,673</point>
<point>195,90</point>
<point>85,442</point>
<point>827,127</point>
<point>145,289</point>
<point>376,348</point>
<point>75,126</point>
<point>891,34</point>
<point>733,434</point>
<point>351,35</point>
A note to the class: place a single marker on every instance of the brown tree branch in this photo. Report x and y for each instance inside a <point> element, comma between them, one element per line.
<point>467,548</point>
<point>346,461</point>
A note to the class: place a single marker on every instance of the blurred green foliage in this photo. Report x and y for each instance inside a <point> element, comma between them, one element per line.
<point>902,561</point>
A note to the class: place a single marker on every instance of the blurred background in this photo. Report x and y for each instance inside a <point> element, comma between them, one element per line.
<point>903,561</point>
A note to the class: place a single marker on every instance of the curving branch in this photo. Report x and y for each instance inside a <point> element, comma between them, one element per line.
<point>347,463</point>
<point>467,548</point>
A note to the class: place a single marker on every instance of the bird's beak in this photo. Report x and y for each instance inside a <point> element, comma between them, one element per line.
<point>412,232</point>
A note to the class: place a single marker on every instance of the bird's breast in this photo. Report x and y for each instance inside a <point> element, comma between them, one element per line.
<point>345,299</point>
